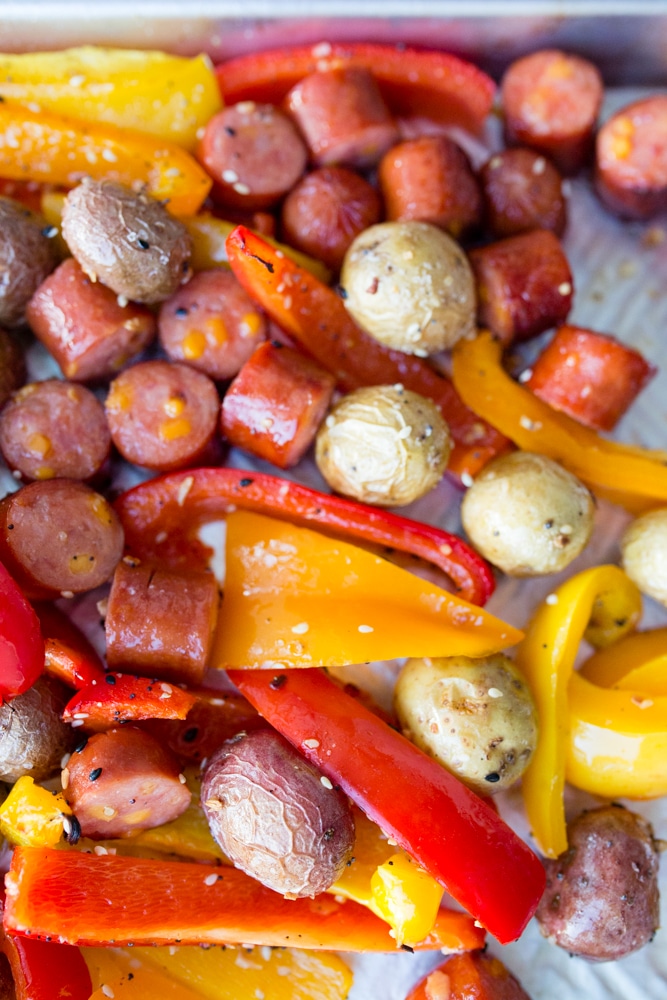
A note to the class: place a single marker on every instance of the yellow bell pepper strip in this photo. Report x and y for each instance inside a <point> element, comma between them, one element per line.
<point>617,744</point>
<point>33,816</point>
<point>168,96</point>
<point>449,830</point>
<point>116,973</point>
<point>637,662</point>
<point>634,477</point>
<point>162,519</point>
<point>209,235</point>
<point>53,149</point>
<point>235,973</point>
<point>91,900</point>
<point>390,883</point>
<point>546,656</point>
<point>296,598</point>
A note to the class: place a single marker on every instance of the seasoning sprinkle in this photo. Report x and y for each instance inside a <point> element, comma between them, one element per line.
<point>94,774</point>
<point>325,781</point>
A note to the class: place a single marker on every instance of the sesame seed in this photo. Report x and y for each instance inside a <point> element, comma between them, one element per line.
<point>109,155</point>
<point>67,594</point>
<point>301,628</point>
<point>325,781</point>
<point>184,489</point>
<point>365,628</point>
<point>64,778</point>
<point>565,288</point>
<point>81,715</point>
<point>108,992</point>
<point>78,81</point>
<point>551,599</point>
<point>246,107</point>
<point>99,850</point>
<point>525,374</point>
<point>161,537</point>
<point>495,162</point>
<point>311,744</point>
<point>467,479</point>
<point>230,176</point>
<point>641,702</point>
<point>211,879</point>
<point>182,778</point>
<point>241,188</point>
<point>122,300</point>
<point>566,529</point>
<point>539,166</point>
<point>76,722</point>
<point>495,693</point>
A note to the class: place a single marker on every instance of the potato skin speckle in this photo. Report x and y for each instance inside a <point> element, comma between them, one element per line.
<point>273,817</point>
<point>410,286</point>
<point>383,445</point>
<point>128,241</point>
<point>528,515</point>
<point>476,717</point>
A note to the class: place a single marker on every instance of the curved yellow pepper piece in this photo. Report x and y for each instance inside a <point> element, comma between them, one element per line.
<point>296,598</point>
<point>32,816</point>
<point>546,656</point>
<point>636,663</point>
<point>634,477</point>
<point>165,95</point>
<point>52,149</point>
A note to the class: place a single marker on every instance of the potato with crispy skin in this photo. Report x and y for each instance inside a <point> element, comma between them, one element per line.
<point>128,241</point>
<point>32,737</point>
<point>275,816</point>
<point>27,256</point>
<point>644,552</point>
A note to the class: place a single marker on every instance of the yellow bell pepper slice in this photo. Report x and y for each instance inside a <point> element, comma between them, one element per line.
<point>32,816</point>
<point>165,95</point>
<point>636,663</point>
<point>296,598</point>
<point>117,974</point>
<point>546,656</point>
<point>235,973</point>
<point>634,477</point>
<point>617,745</point>
<point>210,233</point>
<point>52,149</point>
<point>390,883</point>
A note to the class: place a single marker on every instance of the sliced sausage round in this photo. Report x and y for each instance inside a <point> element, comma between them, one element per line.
<point>326,210</point>
<point>54,429</point>
<point>343,117</point>
<point>254,154</point>
<point>551,101</point>
<point>431,180</point>
<point>122,781</point>
<point>27,256</point>
<point>33,738</point>
<point>159,622</point>
<point>161,415</point>
<point>82,323</point>
<point>601,899</point>
<point>523,190</point>
<point>211,324</point>
<point>128,241</point>
<point>59,537</point>
<point>631,159</point>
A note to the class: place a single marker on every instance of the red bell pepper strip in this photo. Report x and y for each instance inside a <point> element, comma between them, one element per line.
<point>21,644</point>
<point>44,970</point>
<point>125,698</point>
<point>68,655</point>
<point>474,974</point>
<point>413,82</point>
<point>439,821</point>
<point>162,518</point>
<point>314,315</point>
<point>90,900</point>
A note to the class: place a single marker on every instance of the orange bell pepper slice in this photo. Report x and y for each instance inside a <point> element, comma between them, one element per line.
<point>46,147</point>
<point>634,477</point>
<point>90,900</point>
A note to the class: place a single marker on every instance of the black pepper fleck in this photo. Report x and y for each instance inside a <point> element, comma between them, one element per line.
<point>492,778</point>
<point>278,681</point>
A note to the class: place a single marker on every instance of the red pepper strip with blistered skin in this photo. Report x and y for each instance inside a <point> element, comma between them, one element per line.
<point>21,644</point>
<point>426,84</point>
<point>439,821</point>
<point>314,315</point>
<point>89,900</point>
<point>162,517</point>
<point>125,698</point>
<point>45,970</point>
<point>68,655</point>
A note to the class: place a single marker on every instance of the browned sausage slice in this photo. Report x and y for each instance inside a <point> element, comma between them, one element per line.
<point>122,781</point>
<point>523,190</point>
<point>631,159</point>
<point>54,429</point>
<point>276,404</point>
<point>551,101</point>
<point>326,210</point>
<point>211,324</point>
<point>162,416</point>
<point>430,180</point>
<point>254,154</point>
<point>161,623</point>
<point>59,537</point>
<point>343,117</point>
<point>89,332</point>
